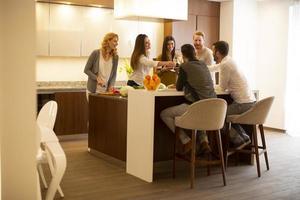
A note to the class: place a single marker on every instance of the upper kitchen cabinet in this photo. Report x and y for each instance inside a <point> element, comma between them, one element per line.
<point>65,30</point>
<point>42,27</point>
<point>68,30</point>
<point>96,23</point>
<point>127,31</point>
<point>154,30</point>
<point>102,3</point>
<point>204,8</point>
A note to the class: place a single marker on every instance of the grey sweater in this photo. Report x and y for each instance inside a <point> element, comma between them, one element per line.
<point>92,69</point>
<point>195,79</point>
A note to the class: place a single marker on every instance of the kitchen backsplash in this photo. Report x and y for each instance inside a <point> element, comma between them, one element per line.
<point>68,69</point>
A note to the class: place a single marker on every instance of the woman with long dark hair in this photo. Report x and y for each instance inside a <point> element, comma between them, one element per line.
<point>168,54</point>
<point>141,63</point>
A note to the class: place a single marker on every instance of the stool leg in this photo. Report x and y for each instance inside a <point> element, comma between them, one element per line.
<point>256,150</point>
<point>221,156</point>
<point>227,144</point>
<point>263,140</point>
<point>193,154</point>
<point>174,152</point>
<point>208,166</point>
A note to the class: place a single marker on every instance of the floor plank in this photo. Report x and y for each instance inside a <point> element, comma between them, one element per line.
<point>88,177</point>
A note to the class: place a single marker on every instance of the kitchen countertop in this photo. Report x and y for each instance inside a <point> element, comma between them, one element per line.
<point>46,87</point>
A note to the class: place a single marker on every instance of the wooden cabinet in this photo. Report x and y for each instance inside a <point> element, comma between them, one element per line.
<point>184,30</point>
<point>204,8</point>
<point>203,16</point>
<point>72,113</point>
<point>210,26</point>
<point>108,125</point>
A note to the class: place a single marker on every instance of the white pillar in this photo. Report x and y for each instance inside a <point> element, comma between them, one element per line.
<point>17,99</point>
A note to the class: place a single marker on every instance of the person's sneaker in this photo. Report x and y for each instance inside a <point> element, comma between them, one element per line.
<point>238,142</point>
<point>239,130</point>
<point>203,148</point>
<point>242,145</point>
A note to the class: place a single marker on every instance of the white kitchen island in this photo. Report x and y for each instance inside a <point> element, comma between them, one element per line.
<point>140,131</point>
<point>148,139</point>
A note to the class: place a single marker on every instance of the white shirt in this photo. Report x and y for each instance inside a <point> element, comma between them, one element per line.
<point>233,80</point>
<point>145,64</point>
<point>207,56</point>
<point>104,71</point>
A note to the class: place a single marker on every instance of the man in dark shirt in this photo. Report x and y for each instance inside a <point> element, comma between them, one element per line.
<point>195,80</point>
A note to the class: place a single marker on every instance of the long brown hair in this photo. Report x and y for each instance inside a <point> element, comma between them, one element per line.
<point>104,45</point>
<point>139,49</point>
<point>164,56</point>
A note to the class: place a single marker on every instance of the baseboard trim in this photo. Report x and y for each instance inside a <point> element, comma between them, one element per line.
<point>275,129</point>
<point>107,158</point>
<point>83,136</point>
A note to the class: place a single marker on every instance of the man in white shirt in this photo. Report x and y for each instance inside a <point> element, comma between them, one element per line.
<point>233,80</point>
<point>202,52</point>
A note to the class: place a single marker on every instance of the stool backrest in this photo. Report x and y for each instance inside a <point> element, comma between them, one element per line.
<point>47,115</point>
<point>257,114</point>
<point>208,114</point>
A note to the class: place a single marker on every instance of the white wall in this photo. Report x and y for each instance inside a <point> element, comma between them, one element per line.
<point>60,69</point>
<point>68,69</point>
<point>226,23</point>
<point>238,27</point>
<point>18,147</point>
<point>257,32</point>
<point>1,93</point>
<point>272,56</point>
<point>244,37</point>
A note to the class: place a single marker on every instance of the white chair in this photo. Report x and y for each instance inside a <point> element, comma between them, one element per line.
<point>57,157</point>
<point>46,120</point>
<point>47,115</point>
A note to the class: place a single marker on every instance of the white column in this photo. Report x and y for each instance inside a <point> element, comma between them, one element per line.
<point>18,99</point>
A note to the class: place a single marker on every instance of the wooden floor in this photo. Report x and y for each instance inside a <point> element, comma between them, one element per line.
<point>90,178</point>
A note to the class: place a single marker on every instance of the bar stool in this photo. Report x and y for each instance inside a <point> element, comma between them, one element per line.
<point>255,116</point>
<point>205,115</point>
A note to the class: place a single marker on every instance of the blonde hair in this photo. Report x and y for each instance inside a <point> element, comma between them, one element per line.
<point>105,45</point>
<point>199,33</point>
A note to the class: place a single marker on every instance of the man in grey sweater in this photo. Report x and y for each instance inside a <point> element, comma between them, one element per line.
<point>195,80</point>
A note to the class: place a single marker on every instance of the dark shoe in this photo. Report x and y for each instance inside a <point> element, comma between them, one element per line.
<point>238,142</point>
<point>242,145</point>
<point>204,148</point>
<point>239,130</point>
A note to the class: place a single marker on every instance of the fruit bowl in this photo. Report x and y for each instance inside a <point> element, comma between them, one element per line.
<point>151,83</point>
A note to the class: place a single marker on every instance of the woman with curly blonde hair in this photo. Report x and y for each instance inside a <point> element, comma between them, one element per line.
<point>102,64</point>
